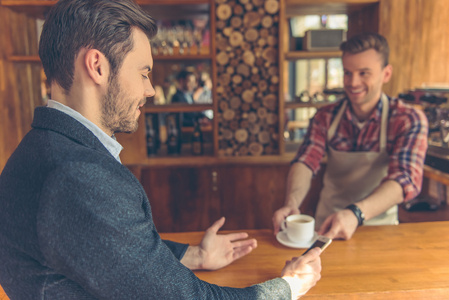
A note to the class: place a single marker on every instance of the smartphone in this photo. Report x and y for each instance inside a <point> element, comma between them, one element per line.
<point>321,242</point>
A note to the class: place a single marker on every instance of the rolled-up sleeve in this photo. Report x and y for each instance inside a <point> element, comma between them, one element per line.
<point>313,149</point>
<point>409,152</point>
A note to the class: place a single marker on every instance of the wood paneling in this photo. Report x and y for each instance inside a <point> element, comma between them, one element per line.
<point>181,199</point>
<point>418,33</point>
<point>250,194</point>
<point>365,19</point>
<point>19,82</point>
<point>192,198</point>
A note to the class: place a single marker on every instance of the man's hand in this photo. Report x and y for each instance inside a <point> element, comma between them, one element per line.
<point>340,225</point>
<point>281,214</point>
<point>302,273</point>
<point>217,251</point>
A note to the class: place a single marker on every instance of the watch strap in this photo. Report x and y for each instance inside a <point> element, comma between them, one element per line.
<point>357,212</point>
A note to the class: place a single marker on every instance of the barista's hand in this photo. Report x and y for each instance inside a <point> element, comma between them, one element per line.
<point>302,273</point>
<point>340,225</point>
<point>281,214</point>
<point>217,250</point>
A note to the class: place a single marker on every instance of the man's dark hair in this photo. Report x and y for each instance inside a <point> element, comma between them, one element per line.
<point>366,41</point>
<point>105,25</point>
<point>183,74</point>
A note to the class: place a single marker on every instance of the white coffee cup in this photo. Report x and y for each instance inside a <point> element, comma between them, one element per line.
<point>299,228</point>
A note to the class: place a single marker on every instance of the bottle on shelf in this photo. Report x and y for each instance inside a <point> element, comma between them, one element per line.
<point>152,133</point>
<point>197,139</point>
<point>173,133</point>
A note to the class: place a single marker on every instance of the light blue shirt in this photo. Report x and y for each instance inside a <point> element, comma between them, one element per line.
<point>109,142</point>
<point>189,97</point>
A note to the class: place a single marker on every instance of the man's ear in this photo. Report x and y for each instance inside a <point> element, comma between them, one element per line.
<point>388,72</point>
<point>97,66</point>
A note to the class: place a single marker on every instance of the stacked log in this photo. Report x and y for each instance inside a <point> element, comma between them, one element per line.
<point>247,41</point>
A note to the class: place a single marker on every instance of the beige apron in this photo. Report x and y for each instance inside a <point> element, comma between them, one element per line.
<point>352,176</point>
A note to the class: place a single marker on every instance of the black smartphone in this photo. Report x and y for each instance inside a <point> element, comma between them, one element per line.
<point>321,242</point>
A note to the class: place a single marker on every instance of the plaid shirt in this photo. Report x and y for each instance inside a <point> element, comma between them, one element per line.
<point>406,141</point>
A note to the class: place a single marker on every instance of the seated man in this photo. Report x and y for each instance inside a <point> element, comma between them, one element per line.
<point>375,147</point>
<point>74,222</point>
<point>184,94</point>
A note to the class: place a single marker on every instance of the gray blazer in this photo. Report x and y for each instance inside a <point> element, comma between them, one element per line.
<point>76,224</point>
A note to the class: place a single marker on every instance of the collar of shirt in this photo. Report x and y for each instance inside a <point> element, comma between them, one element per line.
<point>189,97</point>
<point>109,142</point>
<point>375,115</point>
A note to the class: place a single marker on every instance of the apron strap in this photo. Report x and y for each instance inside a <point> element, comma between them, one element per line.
<point>334,125</point>
<point>383,123</point>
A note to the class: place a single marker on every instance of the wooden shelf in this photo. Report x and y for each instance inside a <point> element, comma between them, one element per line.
<point>209,160</point>
<point>295,55</point>
<point>293,105</point>
<point>318,7</point>
<point>436,175</point>
<point>15,3</point>
<point>177,107</point>
<point>35,58</point>
<point>25,58</point>
<point>291,125</point>
<point>38,8</point>
<point>172,2</point>
<point>182,57</point>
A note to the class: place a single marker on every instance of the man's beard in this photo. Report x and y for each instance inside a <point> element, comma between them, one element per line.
<point>116,115</point>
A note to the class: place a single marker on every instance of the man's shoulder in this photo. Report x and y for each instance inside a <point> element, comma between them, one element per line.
<point>405,117</point>
<point>331,107</point>
<point>327,112</point>
<point>178,96</point>
<point>400,109</point>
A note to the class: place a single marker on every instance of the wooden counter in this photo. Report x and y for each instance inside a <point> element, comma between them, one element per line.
<point>408,261</point>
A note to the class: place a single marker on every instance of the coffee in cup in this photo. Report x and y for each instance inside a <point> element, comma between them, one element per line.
<point>299,228</point>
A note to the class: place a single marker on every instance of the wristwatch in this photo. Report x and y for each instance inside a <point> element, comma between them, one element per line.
<point>357,212</point>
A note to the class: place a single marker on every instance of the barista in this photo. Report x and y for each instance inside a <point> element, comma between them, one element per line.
<point>375,147</point>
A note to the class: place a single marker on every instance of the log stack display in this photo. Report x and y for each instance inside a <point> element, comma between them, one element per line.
<point>247,41</point>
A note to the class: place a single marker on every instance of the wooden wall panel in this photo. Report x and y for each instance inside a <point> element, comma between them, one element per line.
<point>181,198</point>
<point>418,33</point>
<point>134,144</point>
<point>10,128</point>
<point>192,198</point>
<point>365,19</point>
<point>250,194</point>
<point>19,82</point>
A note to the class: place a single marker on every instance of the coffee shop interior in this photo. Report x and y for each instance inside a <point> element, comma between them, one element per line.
<point>265,67</point>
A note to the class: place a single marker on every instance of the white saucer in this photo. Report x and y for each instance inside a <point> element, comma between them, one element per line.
<point>284,240</point>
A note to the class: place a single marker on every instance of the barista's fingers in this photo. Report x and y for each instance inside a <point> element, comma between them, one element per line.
<point>326,226</point>
<point>333,233</point>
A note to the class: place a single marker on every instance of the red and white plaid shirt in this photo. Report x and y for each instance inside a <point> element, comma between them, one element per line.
<point>406,141</point>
